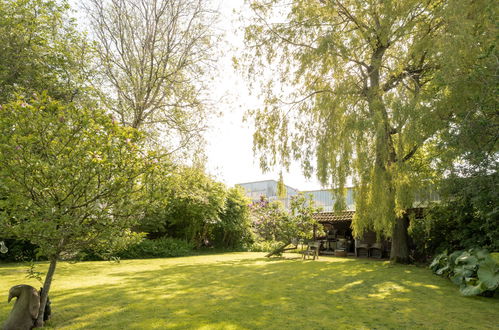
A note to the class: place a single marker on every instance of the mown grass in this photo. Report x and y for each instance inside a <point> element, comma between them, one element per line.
<point>248,291</point>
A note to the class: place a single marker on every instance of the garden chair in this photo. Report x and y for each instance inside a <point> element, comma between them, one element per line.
<point>362,250</point>
<point>312,250</point>
<point>376,251</point>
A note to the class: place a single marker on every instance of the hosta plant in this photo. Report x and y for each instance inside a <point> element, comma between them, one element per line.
<point>474,270</point>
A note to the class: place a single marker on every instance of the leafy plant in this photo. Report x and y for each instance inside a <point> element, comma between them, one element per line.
<point>157,248</point>
<point>265,246</point>
<point>474,270</point>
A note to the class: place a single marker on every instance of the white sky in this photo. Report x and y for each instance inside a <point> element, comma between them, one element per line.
<point>230,141</point>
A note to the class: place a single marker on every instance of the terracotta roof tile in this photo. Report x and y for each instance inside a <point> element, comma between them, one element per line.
<point>348,215</point>
<point>334,216</point>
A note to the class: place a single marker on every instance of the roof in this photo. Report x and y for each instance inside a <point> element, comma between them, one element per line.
<point>334,216</point>
<point>341,216</point>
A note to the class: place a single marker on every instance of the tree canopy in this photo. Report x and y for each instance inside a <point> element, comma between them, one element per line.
<point>154,58</point>
<point>363,99</point>
<point>42,50</point>
<point>68,176</point>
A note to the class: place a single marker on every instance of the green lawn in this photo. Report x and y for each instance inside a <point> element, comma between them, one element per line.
<point>248,291</point>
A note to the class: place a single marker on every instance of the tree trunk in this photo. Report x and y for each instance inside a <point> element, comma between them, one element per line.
<point>45,291</point>
<point>400,241</point>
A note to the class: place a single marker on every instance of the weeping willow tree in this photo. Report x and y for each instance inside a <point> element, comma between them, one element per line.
<point>352,91</point>
<point>281,187</point>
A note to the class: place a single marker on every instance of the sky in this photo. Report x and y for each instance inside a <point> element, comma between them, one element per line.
<point>229,139</point>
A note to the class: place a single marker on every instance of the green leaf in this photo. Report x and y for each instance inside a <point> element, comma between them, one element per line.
<point>471,290</point>
<point>488,274</point>
<point>460,273</point>
<point>442,270</point>
<point>454,255</point>
<point>466,258</point>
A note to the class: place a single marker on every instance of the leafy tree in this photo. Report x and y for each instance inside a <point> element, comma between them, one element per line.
<point>234,228</point>
<point>366,98</point>
<point>267,218</point>
<point>188,205</point>
<point>467,148</point>
<point>154,55</point>
<point>69,175</point>
<point>303,209</point>
<point>469,144</point>
<point>42,50</point>
<point>272,222</point>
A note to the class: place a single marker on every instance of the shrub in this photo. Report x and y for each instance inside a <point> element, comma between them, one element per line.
<point>233,231</point>
<point>164,247</point>
<point>475,271</point>
<point>465,218</point>
<point>19,250</point>
<point>265,246</point>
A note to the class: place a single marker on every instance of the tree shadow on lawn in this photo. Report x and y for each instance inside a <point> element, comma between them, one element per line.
<point>260,293</point>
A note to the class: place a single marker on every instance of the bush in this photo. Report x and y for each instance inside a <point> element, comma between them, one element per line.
<point>233,231</point>
<point>157,248</point>
<point>475,271</point>
<point>465,218</point>
<point>265,246</point>
<point>19,251</point>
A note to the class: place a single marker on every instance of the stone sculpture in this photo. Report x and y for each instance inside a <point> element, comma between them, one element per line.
<point>25,311</point>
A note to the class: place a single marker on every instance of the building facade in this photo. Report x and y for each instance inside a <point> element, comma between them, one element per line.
<point>268,188</point>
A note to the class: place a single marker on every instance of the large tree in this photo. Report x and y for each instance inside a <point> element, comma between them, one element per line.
<point>154,56</point>
<point>361,98</point>
<point>70,176</point>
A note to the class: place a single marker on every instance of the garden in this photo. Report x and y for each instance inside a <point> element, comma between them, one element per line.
<point>113,216</point>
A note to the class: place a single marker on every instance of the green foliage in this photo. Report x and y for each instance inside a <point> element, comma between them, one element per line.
<point>69,175</point>
<point>265,246</point>
<point>42,50</point>
<point>19,250</point>
<point>156,68</point>
<point>469,145</point>
<point>281,187</point>
<point>466,217</point>
<point>474,270</point>
<point>372,88</point>
<point>164,247</point>
<point>185,203</point>
<point>360,74</point>
<point>234,228</point>
<point>267,220</point>
<point>271,222</point>
<point>31,272</point>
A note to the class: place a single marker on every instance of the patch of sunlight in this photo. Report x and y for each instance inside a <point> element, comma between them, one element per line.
<point>219,325</point>
<point>181,312</point>
<point>79,325</point>
<point>355,272</point>
<point>429,286</point>
<point>346,287</point>
<point>386,289</point>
